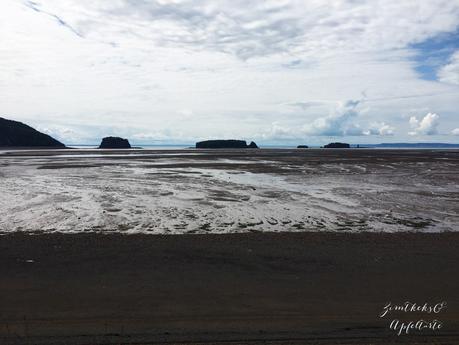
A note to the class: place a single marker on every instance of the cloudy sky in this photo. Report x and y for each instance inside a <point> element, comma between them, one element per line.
<point>278,72</point>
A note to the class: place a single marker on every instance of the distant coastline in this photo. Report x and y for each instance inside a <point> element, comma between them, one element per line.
<point>292,146</point>
<point>412,145</point>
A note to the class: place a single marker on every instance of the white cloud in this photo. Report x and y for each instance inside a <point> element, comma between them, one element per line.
<point>345,118</point>
<point>450,72</point>
<point>278,132</point>
<point>63,133</point>
<point>154,136</point>
<point>455,131</point>
<point>255,28</point>
<point>198,69</point>
<point>339,123</point>
<point>428,125</point>
<point>381,129</point>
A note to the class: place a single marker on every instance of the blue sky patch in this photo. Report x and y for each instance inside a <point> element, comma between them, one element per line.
<point>434,53</point>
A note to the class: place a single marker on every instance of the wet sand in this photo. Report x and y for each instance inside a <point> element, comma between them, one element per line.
<point>229,191</point>
<point>253,288</point>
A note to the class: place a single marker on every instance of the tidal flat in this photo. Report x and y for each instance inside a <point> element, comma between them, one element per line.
<point>229,191</point>
<point>227,246</point>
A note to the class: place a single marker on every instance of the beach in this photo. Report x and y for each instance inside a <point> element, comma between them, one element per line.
<point>253,288</point>
<point>229,191</point>
<point>178,172</point>
<point>228,246</point>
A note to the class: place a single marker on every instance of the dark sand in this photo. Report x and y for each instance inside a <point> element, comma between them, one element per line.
<point>285,288</point>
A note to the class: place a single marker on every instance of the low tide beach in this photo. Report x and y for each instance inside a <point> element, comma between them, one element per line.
<point>229,173</point>
<point>227,247</point>
<point>229,191</point>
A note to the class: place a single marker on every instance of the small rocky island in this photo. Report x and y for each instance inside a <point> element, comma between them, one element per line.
<point>114,143</point>
<point>302,147</point>
<point>337,146</point>
<point>225,144</point>
<point>18,134</point>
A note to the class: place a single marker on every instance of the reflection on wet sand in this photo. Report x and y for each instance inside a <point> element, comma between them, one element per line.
<point>226,191</point>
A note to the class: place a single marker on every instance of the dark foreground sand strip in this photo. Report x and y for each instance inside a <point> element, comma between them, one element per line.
<point>288,288</point>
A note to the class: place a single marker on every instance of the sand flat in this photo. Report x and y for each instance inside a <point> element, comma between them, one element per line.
<point>229,191</point>
<point>275,246</point>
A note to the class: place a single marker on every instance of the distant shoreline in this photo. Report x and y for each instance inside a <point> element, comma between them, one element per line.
<point>272,146</point>
<point>420,144</point>
<point>382,146</point>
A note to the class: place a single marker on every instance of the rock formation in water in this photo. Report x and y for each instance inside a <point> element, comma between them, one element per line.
<point>114,143</point>
<point>18,134</point>
<point>302,147</point>
<point>225,144</point>
<point>337,146</point>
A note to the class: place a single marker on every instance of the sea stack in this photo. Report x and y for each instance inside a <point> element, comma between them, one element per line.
<point>114,143</point>
<point>225,144</point>
<point>18,134</point>
<point>337,146</point>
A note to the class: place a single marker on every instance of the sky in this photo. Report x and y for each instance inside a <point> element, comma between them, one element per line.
<point>280,72</point>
